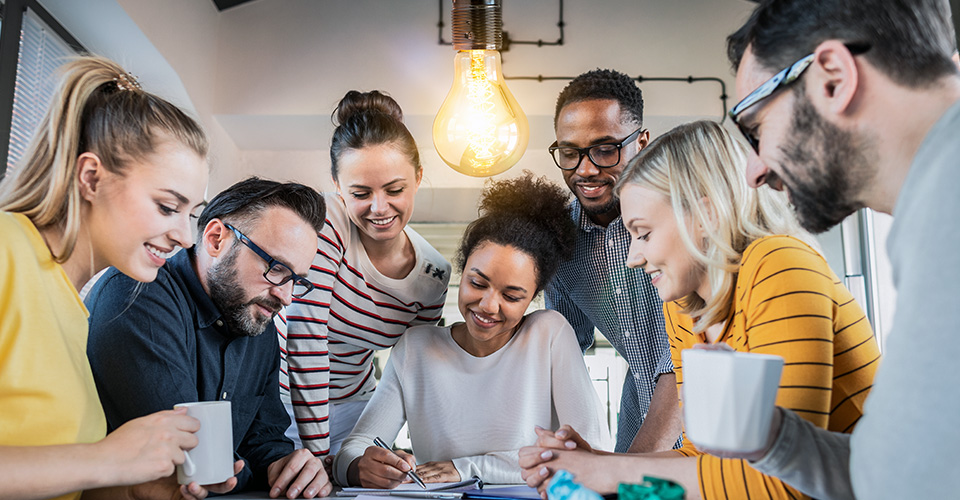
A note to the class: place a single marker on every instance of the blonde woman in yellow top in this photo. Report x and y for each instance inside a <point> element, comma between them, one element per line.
<point>732,266</point>
<point>110,179</point>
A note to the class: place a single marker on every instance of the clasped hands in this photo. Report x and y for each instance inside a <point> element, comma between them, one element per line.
<point>566,450</point>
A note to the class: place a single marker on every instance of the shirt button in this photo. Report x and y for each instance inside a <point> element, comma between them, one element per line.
<point>618,291</point>
<point>219,322</point>
<point>224,396</point>
<point>611,243</point>
<point>626,334</point>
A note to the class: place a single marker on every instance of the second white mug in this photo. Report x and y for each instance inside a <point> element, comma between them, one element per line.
<point>211,462</point>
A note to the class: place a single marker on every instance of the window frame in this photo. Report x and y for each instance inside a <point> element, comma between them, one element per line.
<point>12,13</point>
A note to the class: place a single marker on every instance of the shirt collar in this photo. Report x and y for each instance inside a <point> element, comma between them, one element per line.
<point>181,265</point>
<point>578,214</point>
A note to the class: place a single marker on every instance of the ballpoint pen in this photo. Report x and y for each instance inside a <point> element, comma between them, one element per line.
<point>410,473</point>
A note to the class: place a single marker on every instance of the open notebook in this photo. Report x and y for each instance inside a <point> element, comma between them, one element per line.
<point>434,490</point>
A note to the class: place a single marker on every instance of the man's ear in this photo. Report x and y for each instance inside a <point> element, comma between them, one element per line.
<point>90,173</point>
<point>833,78</point>
<point>642,140</point>
<point>215,237</point>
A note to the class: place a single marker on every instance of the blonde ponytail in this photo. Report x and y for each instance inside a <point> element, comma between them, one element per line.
<point>98,108</point>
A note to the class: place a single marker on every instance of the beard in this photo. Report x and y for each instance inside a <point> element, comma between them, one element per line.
<point>835,169</point>
<point>227,294</point>
<point>612,205</point>
<point>606,208</point>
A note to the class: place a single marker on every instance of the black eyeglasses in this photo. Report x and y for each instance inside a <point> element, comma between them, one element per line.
<point>277,272</point>
<point>602,155</point>
<point>782,79</point>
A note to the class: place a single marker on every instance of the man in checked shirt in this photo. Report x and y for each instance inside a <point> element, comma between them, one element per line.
<point>599,126</point>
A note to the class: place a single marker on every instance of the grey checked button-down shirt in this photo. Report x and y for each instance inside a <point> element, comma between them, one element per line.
<point>596,289</point>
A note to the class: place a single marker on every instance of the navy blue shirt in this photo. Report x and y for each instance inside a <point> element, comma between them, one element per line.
<point>154,345</point>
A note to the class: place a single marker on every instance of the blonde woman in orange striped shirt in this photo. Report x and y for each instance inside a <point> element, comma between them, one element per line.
<point>732,266</point>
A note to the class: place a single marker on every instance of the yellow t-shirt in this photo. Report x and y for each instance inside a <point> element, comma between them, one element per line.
<point>787,302</point>
<point>47,393</point>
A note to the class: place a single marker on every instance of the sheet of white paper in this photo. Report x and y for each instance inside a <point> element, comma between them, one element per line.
<point>412,487</point>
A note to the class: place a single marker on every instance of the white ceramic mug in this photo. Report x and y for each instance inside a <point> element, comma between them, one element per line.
<point>728,398</point>
<point>211,462</point>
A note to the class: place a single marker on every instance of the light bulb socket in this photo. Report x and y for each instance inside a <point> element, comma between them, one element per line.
<point>477,24</point>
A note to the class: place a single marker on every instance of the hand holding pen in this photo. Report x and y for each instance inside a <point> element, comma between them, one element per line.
<point>380,467</point>
<point>411,473</point>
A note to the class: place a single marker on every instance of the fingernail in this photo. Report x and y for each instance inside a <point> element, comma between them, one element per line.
<point>561,434</point>
<point>544,471</point>
<point>537,427</point>
<point>292,492</point>
<point>275,492</point>
<point>311,492</point>
<point>546,455</point>
<point>570,444</point>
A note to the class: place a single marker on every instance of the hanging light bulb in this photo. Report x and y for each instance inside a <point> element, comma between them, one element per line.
<point>480,129</point>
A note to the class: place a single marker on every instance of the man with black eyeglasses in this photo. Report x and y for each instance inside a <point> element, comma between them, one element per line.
<point>204,331</point>
<point>850,105</point>
<point>599,126</point>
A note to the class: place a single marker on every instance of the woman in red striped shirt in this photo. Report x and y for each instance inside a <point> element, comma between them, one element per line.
<point>374,275</point>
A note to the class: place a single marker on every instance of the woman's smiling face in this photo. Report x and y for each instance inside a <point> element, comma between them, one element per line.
<point>656,244</point>
<point>497,286</point>
<point>378,185</point>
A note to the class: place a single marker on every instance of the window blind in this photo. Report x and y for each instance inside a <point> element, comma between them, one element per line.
<point>42,51</point>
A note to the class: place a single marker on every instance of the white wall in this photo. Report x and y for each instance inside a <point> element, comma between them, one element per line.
<point>186,33</point>
<point>263,77</point>
<point>171,46</point>
<point>289,62</point>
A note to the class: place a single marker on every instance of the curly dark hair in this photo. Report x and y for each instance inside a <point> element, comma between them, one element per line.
<point>603,84</point>
<point>528,213</point>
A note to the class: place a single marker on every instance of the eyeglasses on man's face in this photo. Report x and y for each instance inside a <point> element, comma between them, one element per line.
<point>602,155</point>
<point>277,272</point>
<point>780,80</point>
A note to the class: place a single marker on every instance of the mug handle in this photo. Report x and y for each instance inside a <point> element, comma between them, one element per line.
<point>189,467</point>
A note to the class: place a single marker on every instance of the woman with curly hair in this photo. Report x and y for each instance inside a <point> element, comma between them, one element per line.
<point>473,393</point>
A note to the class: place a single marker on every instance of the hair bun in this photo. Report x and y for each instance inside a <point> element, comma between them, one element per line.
<point>356,103</point>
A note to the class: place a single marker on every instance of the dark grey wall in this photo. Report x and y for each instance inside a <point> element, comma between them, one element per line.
<point>955,6</point>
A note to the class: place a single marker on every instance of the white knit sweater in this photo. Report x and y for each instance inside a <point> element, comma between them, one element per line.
<point>480,411</point>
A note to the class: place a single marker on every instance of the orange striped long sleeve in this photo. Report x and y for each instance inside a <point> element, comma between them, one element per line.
<point>787,302</point>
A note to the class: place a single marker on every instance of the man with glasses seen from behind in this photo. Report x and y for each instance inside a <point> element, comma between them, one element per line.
<point>599,127</point>
<point>204,331</point>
